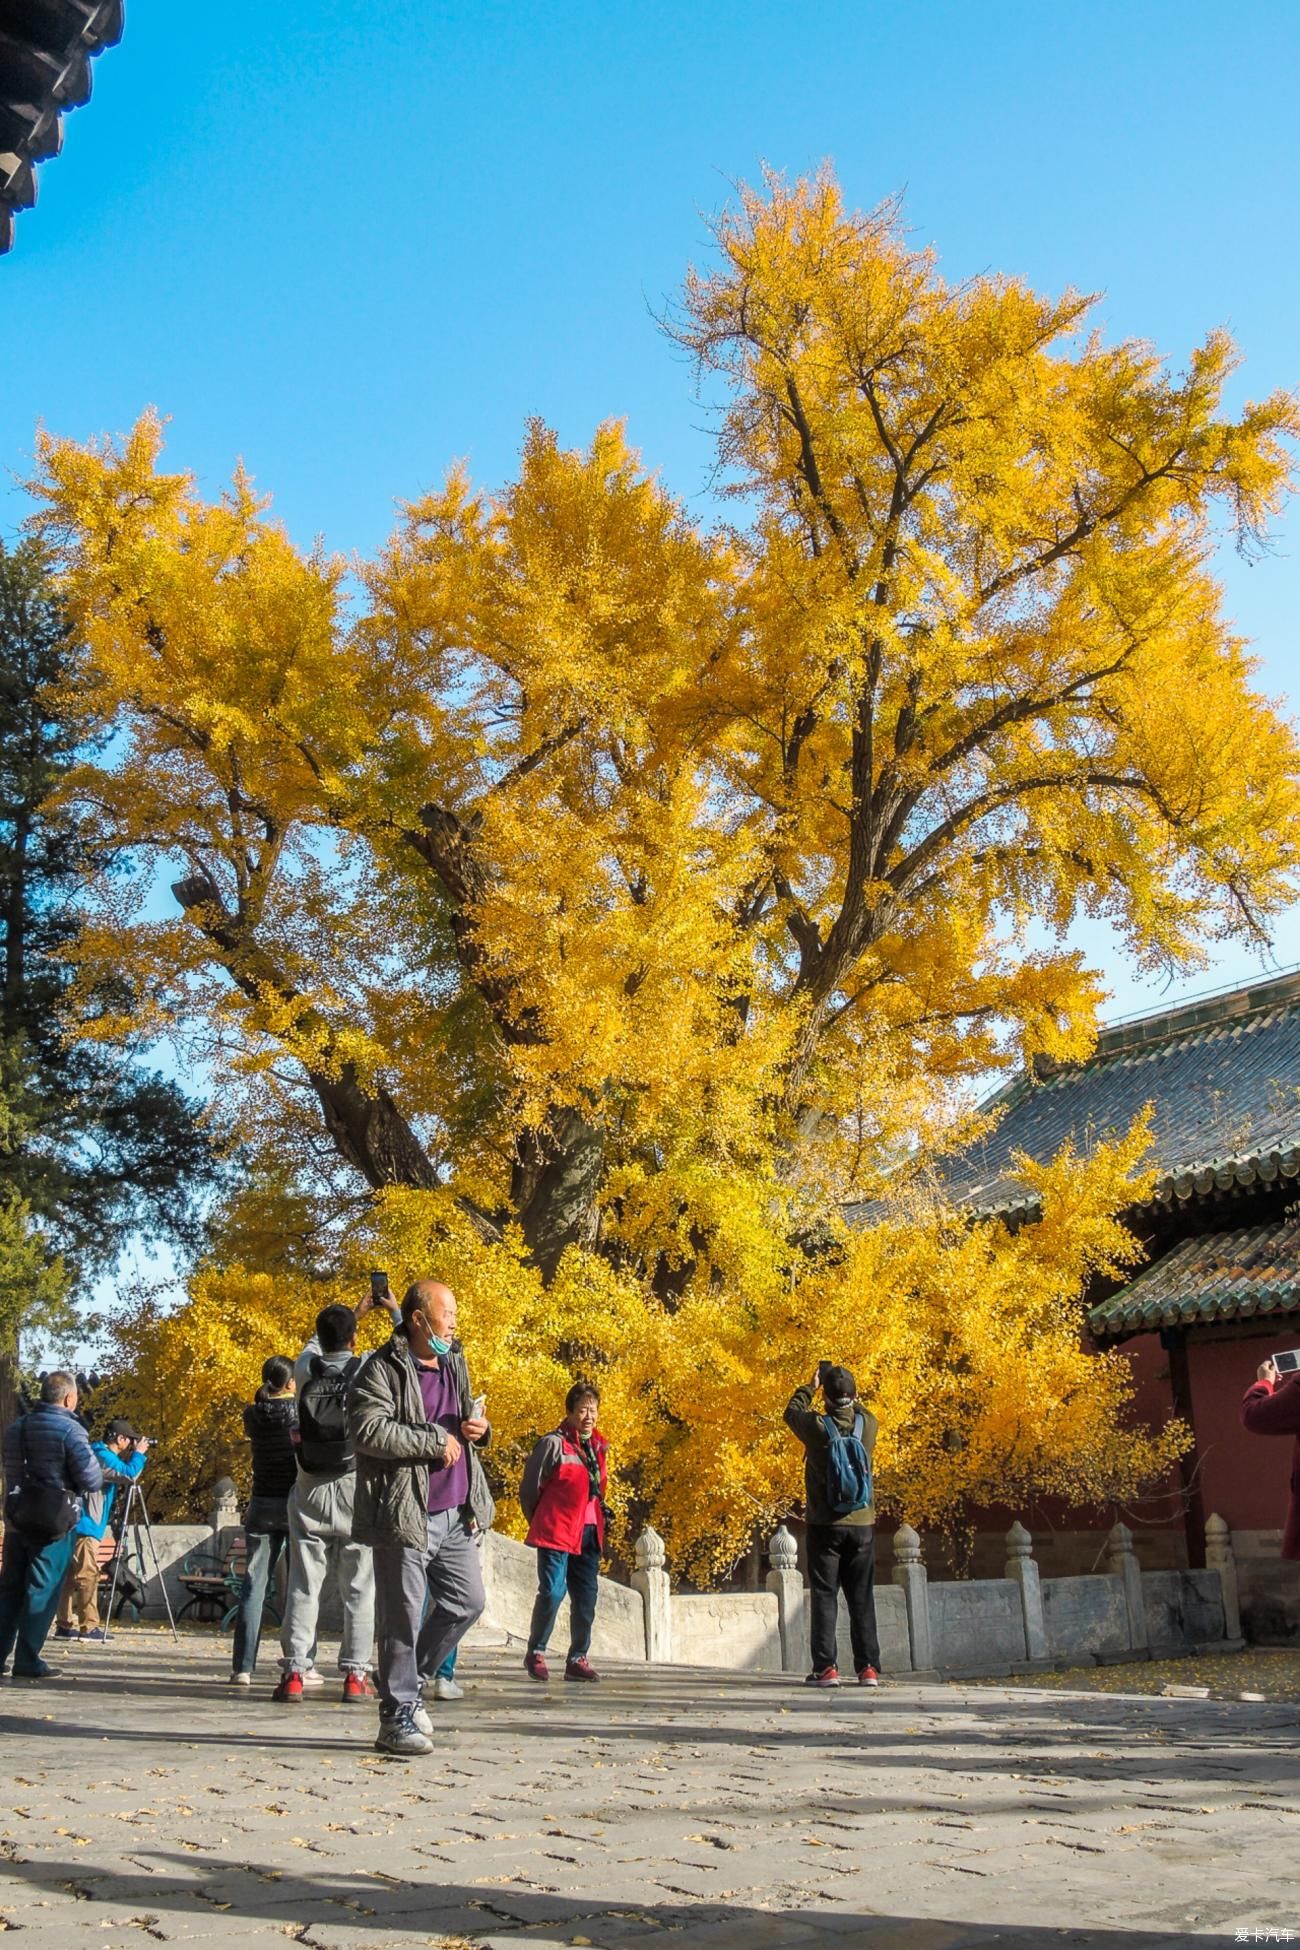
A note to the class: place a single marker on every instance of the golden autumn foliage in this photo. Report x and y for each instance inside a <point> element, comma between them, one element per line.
<point>965,1341</point>
<point>589,903</point>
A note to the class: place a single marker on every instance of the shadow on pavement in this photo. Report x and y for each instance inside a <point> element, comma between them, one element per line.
<point>307,1907</point>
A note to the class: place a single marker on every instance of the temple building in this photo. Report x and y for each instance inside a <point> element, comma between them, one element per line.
<point>1220,1287</point>
<point>46,50</point>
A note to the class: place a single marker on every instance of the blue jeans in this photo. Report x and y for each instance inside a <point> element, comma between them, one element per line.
<point>578,1573</point>
<point>266,1531</point>
<point>31,1578</point>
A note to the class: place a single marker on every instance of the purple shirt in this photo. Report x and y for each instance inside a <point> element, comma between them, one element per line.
<point>448,1488</point>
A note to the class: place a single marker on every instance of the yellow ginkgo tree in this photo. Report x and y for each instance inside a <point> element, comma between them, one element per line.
<point>594,902</point>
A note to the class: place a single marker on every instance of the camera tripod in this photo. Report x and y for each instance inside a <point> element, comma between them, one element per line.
<point>135,1503</point>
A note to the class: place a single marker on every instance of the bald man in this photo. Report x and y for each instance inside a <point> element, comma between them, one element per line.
<point>421,1497</point>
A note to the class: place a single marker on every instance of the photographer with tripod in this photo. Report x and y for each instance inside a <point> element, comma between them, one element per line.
<point>121,1456</point>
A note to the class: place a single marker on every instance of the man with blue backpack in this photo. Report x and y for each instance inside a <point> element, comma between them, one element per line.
<point>841,1518</point>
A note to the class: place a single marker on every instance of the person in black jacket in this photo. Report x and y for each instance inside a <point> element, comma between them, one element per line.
<point>48,1460</point>
<point>841,1542</point>
<point>270,1421</point>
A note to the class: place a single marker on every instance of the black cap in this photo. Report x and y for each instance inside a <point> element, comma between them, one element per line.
<point>119,1426</point>
<point>838,1385</point>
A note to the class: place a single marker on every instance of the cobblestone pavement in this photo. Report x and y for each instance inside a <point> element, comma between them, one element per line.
<point>151,1803</point>
<point>1272,1673</point>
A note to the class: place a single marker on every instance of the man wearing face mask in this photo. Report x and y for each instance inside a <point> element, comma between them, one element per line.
<point>421,1496</point>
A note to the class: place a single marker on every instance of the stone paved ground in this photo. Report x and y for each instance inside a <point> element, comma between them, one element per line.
<point>151,1804</point>
<point>1272,1673</point>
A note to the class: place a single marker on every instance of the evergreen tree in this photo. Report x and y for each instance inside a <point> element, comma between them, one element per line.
<point>93,1146</point>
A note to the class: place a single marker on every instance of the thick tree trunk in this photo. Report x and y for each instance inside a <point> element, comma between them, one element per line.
<point>554,1186</point>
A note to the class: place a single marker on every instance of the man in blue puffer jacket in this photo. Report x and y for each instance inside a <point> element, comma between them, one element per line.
<point>46,1450</point>
<point>121,1456</point>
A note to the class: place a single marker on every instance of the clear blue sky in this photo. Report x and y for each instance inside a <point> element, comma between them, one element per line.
<point>348,242</point>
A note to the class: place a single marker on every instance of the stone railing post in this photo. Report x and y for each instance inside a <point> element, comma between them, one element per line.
<point>1220,1557</point>
<point>1121,1562</point>
<point>784,1580</point>
<point>910,1572</point>
<point>223,1513</point>
<point>650,1578</point>
<point>1022,1568</point>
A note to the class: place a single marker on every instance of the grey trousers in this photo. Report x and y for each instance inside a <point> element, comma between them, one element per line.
<point>448,1574</point>
<point>320,1541</point>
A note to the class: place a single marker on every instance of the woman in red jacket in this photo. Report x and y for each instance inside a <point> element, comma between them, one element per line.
<point>563,1494</point>
<point>1272,1407</point>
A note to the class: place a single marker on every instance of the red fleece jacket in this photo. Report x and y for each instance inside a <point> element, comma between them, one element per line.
<point>1269,1410</point>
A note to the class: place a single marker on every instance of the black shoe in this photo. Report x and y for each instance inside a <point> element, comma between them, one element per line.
<point>38,1671</point>
<point>65,1631</point>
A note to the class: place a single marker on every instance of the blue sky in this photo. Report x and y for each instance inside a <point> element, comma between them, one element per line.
<point>349,242</point>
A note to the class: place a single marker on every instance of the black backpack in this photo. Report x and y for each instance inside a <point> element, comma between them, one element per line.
<point>42,1511</point>
<point>325,1448</point>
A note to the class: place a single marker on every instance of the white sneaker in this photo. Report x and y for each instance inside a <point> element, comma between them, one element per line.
<point>241,1678</point>
<point>447,1689</point>
<point>312,1678</point>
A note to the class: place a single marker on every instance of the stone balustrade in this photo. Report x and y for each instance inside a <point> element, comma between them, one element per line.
<point>984,1626</point>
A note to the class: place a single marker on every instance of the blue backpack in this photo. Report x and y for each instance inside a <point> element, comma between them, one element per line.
<point>848,1470</point>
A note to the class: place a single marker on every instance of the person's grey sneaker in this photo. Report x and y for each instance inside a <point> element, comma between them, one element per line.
<point>447,1689</point>
<point>419,1713</point>
<point>398,1734</point>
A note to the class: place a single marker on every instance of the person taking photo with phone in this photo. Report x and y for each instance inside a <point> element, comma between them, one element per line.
<point>421,1497</point>
<point>1272,1407</point>
<point>270,1423</point>
<point>321,1505</point>
<point>841,1517</point>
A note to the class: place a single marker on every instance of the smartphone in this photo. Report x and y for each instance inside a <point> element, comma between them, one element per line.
<point>1288,1363</point>
<point>380,1292</point>
<point>478,1408</point>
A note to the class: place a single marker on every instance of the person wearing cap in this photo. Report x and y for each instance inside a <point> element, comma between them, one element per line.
<point>841,1519</point>
<point>121,1457</point>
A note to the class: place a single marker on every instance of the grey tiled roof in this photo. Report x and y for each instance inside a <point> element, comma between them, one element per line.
<point>1223,1080</point>
<point>46,48</point>
<point>1223,1276</point>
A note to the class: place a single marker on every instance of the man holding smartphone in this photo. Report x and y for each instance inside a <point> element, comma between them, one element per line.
<point>841,1518</point>
<point>1272,1407</point>
<point>421,1499</point>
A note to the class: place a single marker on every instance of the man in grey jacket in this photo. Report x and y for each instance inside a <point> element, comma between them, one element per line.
<point>48,1462</point>
<point>420,1498</point>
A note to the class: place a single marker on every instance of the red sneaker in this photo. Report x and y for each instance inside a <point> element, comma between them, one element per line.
<point>828,1676</point>
<point>357,1687</point>
<point>535,1666</point>
<point>868,1676</point>
<point>580,1669</point>
<point>289,1688</point>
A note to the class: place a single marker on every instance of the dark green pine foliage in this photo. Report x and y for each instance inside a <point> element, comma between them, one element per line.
<point>93,1146</point>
